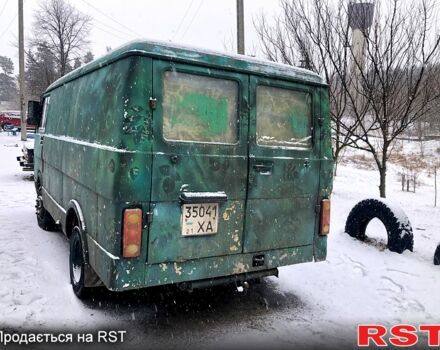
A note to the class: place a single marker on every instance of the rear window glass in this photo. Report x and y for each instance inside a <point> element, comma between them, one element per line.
<point>198,108</point>
<point>284,117</point>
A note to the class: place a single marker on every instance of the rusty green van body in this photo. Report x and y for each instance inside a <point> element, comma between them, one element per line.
<point>157,127</point>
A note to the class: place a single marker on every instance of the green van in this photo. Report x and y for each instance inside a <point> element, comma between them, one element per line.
<point>167,165</point>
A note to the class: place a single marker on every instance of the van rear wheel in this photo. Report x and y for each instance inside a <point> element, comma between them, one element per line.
<point>77,265</point>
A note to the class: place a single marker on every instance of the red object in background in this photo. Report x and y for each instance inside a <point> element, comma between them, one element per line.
<point>11,119</point>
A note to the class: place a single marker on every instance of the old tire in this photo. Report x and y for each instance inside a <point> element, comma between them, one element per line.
<point>44,219</point>
<point>437,256</point>
<point>399,230</point>
<point>77,265</point>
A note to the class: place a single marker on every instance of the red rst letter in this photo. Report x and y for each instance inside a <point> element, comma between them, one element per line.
<point>373,332</point>
<point>433,333</point>
<point>403,335</point>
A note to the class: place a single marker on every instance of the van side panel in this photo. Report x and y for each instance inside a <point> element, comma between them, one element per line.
<point>51,159</point>
<point>326,169</point>
<point>96,146</point>
<point>79,154</point>
<point>124,168</point>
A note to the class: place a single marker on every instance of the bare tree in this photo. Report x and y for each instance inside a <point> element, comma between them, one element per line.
<point>377,96</point>
<point>304,36</point>
<point>396,85</point>
<point>63,30</point>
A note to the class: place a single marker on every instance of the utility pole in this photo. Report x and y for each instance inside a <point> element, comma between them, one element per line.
<point>240,27</point>
<point>21,70</point>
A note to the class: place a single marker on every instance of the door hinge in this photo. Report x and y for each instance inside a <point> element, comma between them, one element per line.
<point>153,103</point>
<point>149,217</point>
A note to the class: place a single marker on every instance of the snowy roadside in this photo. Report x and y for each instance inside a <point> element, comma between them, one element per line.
<point>318,303</point>
<point>34,285</point>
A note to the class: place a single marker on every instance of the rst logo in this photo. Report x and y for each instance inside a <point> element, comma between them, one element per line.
<point>402,335</point>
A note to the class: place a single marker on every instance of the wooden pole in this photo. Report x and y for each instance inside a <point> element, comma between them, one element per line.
<point>21,70</point>
<point>240,27</point>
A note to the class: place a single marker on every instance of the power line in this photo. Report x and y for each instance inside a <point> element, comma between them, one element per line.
<point>3,8</point>
<point>183,19</point>
<point>109,17</point>
<point>192,19</point>
<point>127,35</point>
<point>106,31</point>
<point>9,25</point>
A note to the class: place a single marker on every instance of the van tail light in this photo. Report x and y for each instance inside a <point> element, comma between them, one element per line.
<point>324,225</point>
<point>132,233</point>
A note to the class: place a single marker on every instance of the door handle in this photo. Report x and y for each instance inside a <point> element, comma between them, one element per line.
<point>263,168</point>
<point>41,140</point>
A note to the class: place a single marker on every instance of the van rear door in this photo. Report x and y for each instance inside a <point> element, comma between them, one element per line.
<point>200,162</point>
<point>283,165</point>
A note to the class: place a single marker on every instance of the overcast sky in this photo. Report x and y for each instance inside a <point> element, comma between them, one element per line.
<point>203,23</point>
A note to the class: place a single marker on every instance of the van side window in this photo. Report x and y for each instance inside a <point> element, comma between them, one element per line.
<point>44,117</point>
<point>199,108</point>
<point>284,117</point>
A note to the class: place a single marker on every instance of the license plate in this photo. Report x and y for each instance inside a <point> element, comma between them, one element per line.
<point>199,219</point>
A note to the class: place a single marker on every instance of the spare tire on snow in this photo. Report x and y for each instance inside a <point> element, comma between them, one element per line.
<point>400,235</point>
<point>437,256</point>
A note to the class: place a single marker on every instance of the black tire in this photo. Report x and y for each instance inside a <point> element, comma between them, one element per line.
<point>77,265</point>
<point>437,256</point>
<point>400,234</point>
<point>44,219</point>
<point>6,126</point>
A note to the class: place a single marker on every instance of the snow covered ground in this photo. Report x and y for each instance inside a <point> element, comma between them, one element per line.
<point>316,304</point>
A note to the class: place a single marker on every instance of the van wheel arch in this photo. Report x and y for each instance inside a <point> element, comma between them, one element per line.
<point>75,217</point>
<point>75,222</point>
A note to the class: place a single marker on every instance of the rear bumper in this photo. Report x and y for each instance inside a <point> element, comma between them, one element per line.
<point>125,274</point>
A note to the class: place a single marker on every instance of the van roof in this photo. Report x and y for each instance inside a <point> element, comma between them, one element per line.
<point>186,54</point>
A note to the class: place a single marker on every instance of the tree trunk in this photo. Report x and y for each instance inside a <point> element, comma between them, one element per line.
<point>335,160</point>
<point>383,170</point>
<point>382,185</point>
<point>435,186</point>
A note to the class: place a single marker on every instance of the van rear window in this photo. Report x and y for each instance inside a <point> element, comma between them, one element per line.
<point>284,117</point>
<point>199,108</point>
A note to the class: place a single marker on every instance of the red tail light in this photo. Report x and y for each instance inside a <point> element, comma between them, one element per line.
<point>324,225</point>
<point>131,233</point>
